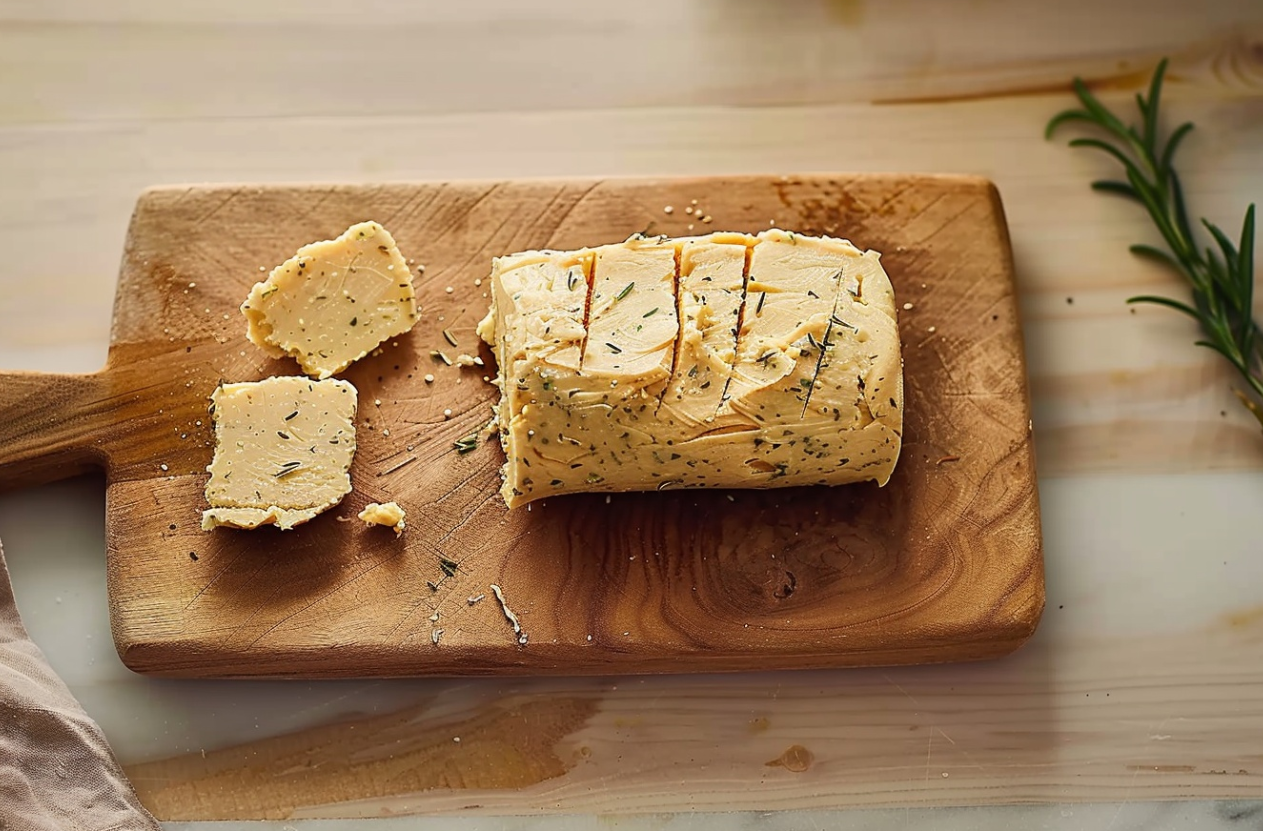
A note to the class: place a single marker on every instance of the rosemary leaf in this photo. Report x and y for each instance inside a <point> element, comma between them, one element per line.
<point>1221,277</point>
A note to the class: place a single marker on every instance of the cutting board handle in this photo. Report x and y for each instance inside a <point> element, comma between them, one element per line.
<point>51,426</point>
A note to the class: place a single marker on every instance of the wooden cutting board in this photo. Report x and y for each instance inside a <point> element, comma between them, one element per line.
<point>944,564</point>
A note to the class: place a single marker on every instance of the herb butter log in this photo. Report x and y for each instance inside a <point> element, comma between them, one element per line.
<point>724,361</point>
<point>283,449</point>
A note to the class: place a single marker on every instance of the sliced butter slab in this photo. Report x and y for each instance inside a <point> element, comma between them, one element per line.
<point>777,363</point>
<point>537,332</point>
<point>283,451</point>
<point>631,313</point>
<point>710,293</point>
<point>334,301</point>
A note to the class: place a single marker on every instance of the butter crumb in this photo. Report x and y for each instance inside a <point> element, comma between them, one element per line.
<point>389,514</point>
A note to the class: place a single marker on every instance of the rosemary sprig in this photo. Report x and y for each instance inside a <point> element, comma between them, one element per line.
<point>1222,280</point>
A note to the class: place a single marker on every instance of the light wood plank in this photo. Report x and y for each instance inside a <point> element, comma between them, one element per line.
<point>428,58</point>
<point>1031,728</point>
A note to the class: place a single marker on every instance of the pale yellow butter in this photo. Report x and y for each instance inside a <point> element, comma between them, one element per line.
<point>720,361</point>
<point>334,301</point>
<point>389,514</point>
<point>283,451</point>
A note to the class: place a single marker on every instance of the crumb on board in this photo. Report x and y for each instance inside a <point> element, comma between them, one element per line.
<point>388,514</point>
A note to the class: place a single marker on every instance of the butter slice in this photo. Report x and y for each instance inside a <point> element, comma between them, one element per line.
<point>389,514</point>
<point>719,361</point>
<point>283,451</point>
<point>334,301</point>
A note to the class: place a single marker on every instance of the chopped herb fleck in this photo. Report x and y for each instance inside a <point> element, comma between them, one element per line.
<point>626,290</point>
<point>651,312</point>
<point>614,348</point>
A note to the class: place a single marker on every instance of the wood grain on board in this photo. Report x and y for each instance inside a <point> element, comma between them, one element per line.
<point>943,564</point>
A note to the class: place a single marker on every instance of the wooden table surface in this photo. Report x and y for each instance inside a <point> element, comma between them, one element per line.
<point>1145,679</point>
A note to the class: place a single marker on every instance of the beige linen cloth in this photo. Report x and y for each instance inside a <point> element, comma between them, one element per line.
<point>56,771</point>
